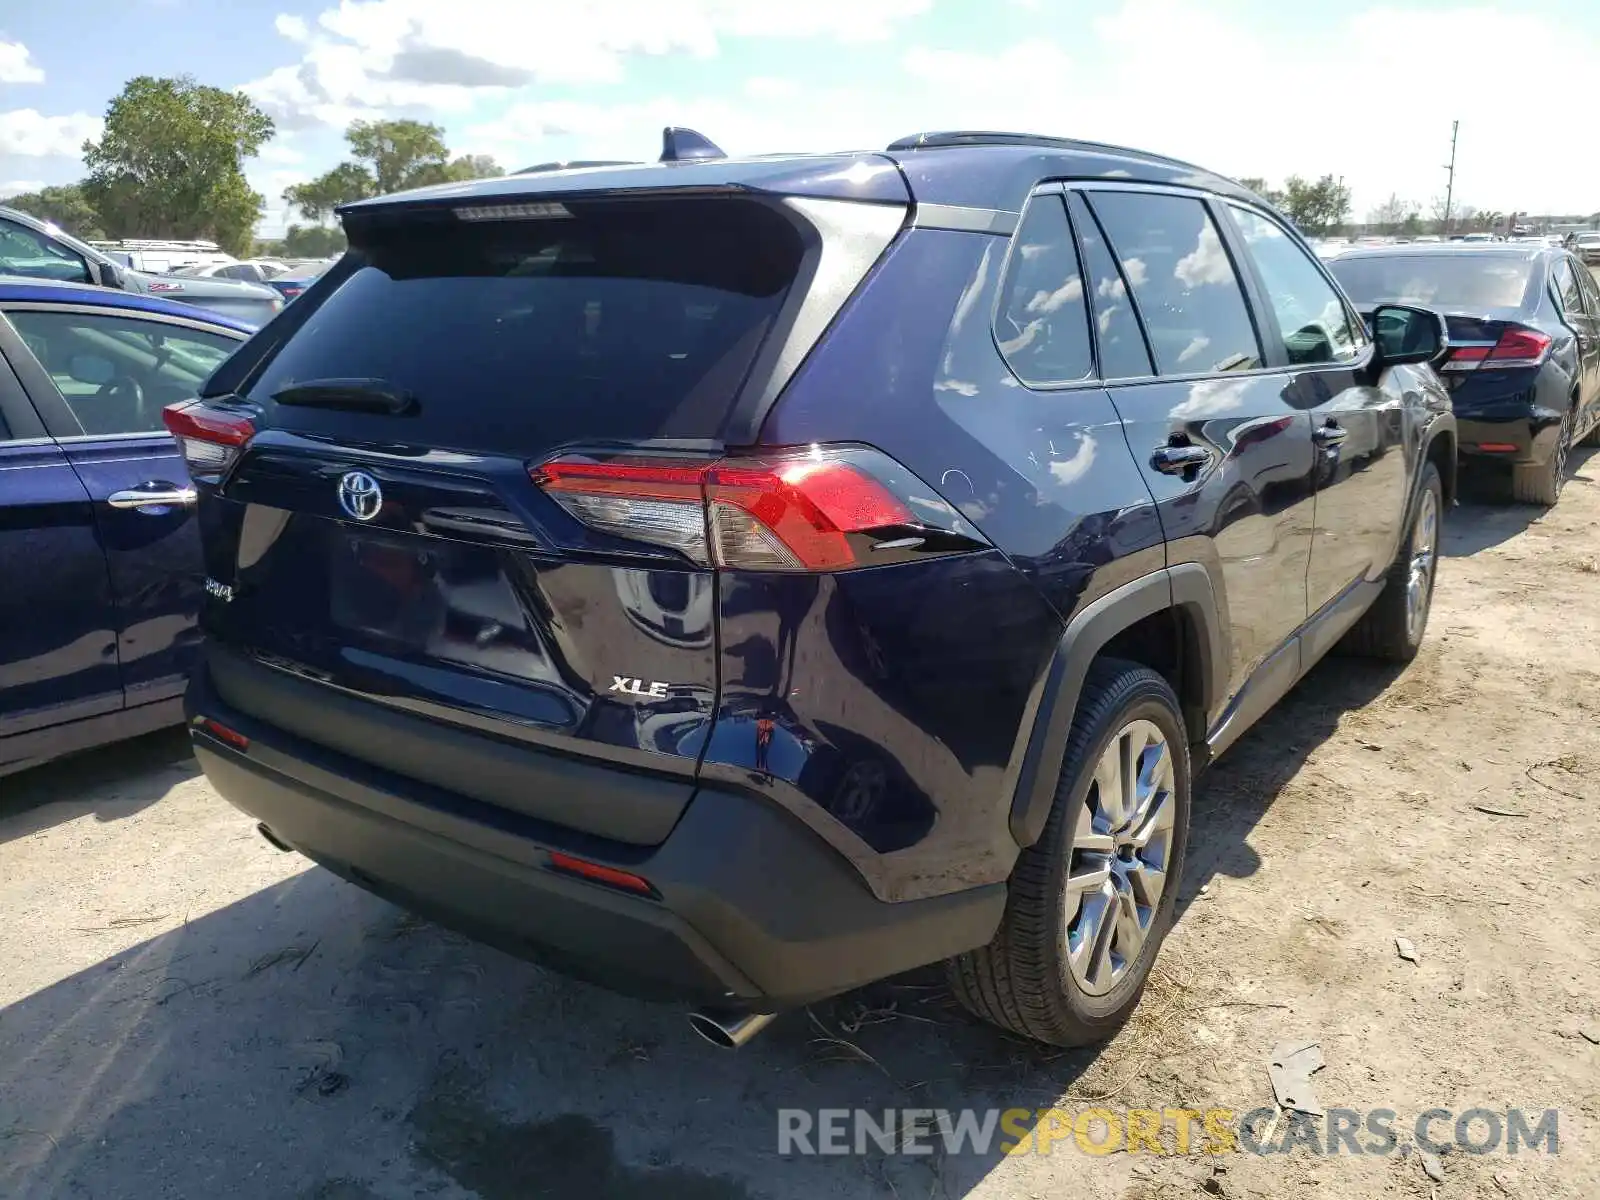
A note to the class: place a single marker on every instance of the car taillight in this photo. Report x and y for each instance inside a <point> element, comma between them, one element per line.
<point>210,438</point>
<point>1520,348</point>
<point>823,509</point>
<point>1517,347</point>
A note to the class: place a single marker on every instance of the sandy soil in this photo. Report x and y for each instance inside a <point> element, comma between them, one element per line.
<point>189,1013</point>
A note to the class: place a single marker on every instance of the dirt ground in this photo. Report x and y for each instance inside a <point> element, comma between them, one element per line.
<point>189,1013</point>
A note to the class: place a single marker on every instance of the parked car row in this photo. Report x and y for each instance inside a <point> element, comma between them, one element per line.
<point>581,565</point>
<point>35,249</point>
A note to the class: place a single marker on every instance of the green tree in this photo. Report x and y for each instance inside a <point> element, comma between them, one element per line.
<point>170,163</point>
<point>316,199</point>
<point>471,166</point>
<point>1315,207</point>
<point>386,156</point>
<point>64,206</point>
<point>312,241</point>
<point>1259,186</point>
<point>1411,227</point>
<point>399,154</point>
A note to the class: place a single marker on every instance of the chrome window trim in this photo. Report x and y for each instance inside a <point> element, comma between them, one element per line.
<point>959,219</point>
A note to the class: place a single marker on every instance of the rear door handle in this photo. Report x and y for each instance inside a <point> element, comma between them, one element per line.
<point>1329,434</point>
<point>1175,460</point>
<point>152,495</point>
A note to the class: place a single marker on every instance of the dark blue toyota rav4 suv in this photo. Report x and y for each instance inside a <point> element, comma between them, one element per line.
<point>735,581</point>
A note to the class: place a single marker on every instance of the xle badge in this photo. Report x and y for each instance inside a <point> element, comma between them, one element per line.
<point>636,687</point>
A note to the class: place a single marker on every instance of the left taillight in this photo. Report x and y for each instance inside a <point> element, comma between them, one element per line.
<point>820,509</point>
<point>209,437</point>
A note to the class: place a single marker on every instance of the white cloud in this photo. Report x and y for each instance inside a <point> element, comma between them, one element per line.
<point>1206,263</point>
<point>28,132</point>
<point>16,66</point>
<point>281,152</point>
<point>1212,398</point>
<point>17,186</point>
<point>1075,467</point>
<point>1118,81</point>
<point>767,88</point>
<point>827,121</point>
<point>372,56</point>
<point>506,75</point>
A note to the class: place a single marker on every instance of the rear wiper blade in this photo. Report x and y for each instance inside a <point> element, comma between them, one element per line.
<point>359,395</point>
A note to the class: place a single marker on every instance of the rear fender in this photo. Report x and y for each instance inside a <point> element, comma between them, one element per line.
<point>1186,592</point>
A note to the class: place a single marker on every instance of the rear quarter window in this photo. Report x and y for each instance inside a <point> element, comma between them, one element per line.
<point>1042,324</point>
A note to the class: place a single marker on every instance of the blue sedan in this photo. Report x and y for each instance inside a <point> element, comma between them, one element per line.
<point>99,555</point>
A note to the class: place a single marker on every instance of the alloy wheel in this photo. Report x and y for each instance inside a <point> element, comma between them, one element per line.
<point>1121,848</point>
<point>1424,556</point>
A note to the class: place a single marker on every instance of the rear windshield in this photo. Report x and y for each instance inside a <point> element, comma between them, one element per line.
<point>1466,281</point>
<point>626,321</point>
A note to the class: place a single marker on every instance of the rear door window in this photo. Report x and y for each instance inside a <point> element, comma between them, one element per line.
<point>1122,350</point>
<point>1568,291</point>
<point>1042,326</point>
<point>1591,291</point>
<point>1185,284</point>
<point>620,322</point>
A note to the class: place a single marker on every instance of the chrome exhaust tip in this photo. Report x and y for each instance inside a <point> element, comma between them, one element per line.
<point>728,1030</point>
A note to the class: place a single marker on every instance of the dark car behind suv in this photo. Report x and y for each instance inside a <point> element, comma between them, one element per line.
<point>1524,361</point>
<point>739,580</point>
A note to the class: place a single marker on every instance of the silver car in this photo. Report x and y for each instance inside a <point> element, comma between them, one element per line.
<point>35,249</point>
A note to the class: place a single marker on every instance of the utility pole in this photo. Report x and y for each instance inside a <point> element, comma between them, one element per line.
<point>1450,185</point>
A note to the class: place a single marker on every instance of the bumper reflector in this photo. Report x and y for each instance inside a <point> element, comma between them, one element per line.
<point>626,881</point>
<point>228,737</point>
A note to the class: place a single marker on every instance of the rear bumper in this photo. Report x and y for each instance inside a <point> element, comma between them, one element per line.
<point>1528,437</point>
<point>755,910</point>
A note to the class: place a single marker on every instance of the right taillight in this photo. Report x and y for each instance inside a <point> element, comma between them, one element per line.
<point>210,438</point>
<point>822,509</point>
<point>1518,346</point>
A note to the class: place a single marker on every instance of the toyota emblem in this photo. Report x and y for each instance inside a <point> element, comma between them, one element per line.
<point>360,495</point>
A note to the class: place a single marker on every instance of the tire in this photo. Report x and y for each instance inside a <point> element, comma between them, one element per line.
<point>1392,628</point>
<point>1540,483</point>
<point>1025,980</point>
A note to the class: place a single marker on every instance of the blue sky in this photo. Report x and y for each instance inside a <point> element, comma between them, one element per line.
<point>1247,87</point>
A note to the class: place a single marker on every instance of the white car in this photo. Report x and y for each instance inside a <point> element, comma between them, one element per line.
<point>251,270</point>
<point>158,256</point>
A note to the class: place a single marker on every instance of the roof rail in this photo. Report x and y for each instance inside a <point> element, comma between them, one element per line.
<point>975,137</point>
<point>539,168</point>
<point>685,145</point>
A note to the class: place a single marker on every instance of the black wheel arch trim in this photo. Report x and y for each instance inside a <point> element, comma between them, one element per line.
<point>1442,426</point>
<point>1185,591</point>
